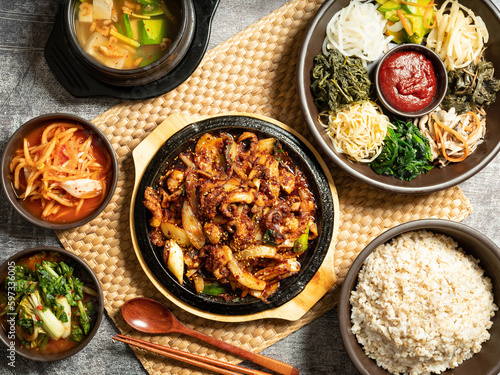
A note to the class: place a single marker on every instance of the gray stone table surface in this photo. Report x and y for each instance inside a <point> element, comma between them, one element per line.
<point>28,89</point>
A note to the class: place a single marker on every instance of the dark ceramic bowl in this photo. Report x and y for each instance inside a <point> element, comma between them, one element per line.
<point>143,75</point>
<point>15,142</point>
<point>80,81</point>
<point>436,179</point>
<point>487,361</point>
<point>310,261</point>
<point>33,355</point>
<point>439,71</point>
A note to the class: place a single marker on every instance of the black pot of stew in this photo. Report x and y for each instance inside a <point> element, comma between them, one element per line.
<point>129,42</point>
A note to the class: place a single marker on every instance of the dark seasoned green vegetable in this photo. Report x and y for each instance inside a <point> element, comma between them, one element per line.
<point>27,324</point>
<point>76,333</point>
<point>24,279</point>
<point>83,317</point>
<point>338,81</point>
<point>269,238</point>
<point>471,86</point>
<point>406,153</point>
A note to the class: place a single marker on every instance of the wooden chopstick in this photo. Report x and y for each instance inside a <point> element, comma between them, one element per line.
<point>214,365</point>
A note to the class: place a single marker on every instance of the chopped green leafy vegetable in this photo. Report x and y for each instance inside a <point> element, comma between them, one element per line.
<point>63,317</point>
<point>76,333</point>
<point>406,153</point>
<point>27,324</point>
<point>84,319</point>
<point>338,81</point>
<point>23,279</point>
<point>42,341</point>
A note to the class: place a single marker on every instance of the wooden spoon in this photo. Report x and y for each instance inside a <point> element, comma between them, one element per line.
<point>149,316</point>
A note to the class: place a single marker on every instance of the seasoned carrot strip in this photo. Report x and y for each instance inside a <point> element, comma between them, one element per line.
<point>440,140</point>
<point>431,4</point>
<point>404,22</point>
<point>477,121</point>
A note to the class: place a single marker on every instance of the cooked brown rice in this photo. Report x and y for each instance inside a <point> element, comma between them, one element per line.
<point>421,305</point>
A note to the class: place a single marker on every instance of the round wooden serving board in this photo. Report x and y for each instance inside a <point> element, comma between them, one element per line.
<point>320,284</point>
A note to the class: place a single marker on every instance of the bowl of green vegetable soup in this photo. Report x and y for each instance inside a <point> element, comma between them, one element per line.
<point>51,304</point>
<point>340,50</point>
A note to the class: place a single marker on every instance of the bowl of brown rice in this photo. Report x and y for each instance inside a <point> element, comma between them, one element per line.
<point>423,298</point>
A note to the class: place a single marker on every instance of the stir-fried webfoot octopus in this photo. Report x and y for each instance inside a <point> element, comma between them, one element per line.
<point>234,213</point>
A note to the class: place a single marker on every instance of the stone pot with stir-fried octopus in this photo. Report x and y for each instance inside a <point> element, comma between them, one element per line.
<point>233,215</point>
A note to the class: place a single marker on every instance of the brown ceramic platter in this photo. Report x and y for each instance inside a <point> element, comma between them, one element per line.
<point>438,178</point>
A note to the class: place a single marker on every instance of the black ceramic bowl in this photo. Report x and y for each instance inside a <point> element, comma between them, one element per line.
<point>16,141</point>
<point>185,16</point>
<point>487,361</point>
<point>5,336</point>
<point>310,261</point>
<point>439,71</point>
<point>436,179</point>
<point>80,81</point>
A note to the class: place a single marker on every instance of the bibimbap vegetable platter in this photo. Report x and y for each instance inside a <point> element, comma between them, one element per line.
<point>403,153</point>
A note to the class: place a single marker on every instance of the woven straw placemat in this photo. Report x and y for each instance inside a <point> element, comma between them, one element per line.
<point>254,71</point>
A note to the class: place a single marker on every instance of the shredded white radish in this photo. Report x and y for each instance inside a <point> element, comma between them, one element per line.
<point>357,30</point>
<point>458,39</point>
<point>358,131</point>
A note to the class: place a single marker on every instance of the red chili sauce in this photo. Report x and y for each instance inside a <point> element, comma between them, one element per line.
<point>407,81</point>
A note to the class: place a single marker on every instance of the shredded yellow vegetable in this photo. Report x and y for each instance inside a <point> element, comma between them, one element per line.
<point>358,131</point>
<point>458,38</point>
